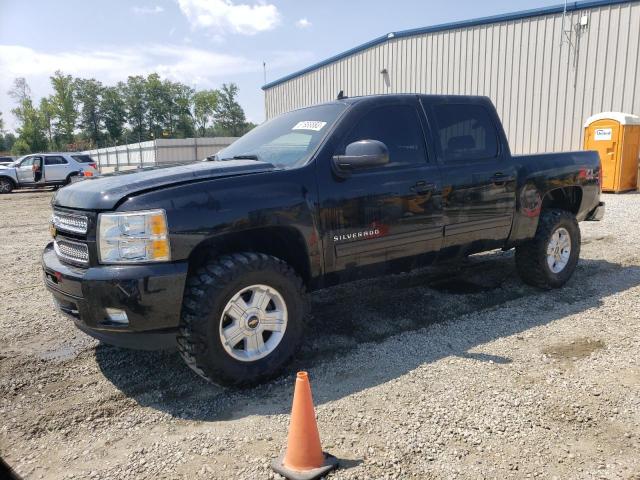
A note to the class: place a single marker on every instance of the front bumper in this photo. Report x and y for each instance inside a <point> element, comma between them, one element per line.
<point>150,295</point>
<point>596,214</point>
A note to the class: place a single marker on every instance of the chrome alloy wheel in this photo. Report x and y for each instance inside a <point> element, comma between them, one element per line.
<point>253,323</point>
<point>5,186</point>
<point>559,250</point>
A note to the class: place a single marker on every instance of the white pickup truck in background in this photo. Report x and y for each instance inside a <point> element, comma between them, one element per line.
<point>45,170</point>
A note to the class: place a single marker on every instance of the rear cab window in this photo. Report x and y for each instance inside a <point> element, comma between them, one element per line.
<point>465,132</point>
<point>83,158</point>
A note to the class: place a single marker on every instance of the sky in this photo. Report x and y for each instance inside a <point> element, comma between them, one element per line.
<point>203,43</point>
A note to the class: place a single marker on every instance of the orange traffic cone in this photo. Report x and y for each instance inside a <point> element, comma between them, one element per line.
<point>304,458</point>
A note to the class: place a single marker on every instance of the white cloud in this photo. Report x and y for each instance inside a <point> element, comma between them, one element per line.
<point>111,64</point>
<point>226,16</point>
<point>183,63</point>
<point>147,10</point>
<point>303,23</point>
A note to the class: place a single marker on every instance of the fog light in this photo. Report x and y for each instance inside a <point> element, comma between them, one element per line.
<point>116,315</point>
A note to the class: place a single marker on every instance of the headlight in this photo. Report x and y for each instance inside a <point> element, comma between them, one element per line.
<point>133,237</point>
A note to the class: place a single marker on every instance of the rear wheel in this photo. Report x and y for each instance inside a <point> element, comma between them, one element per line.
<point>67,181</point>
<point>242,318</point>
<point>550,258</point>
<point>6,185</point>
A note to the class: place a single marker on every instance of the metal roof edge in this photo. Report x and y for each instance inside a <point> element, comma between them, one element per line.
<point>504,17</point>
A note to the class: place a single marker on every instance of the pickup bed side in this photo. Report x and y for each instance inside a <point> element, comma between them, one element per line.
<point>568,180</point>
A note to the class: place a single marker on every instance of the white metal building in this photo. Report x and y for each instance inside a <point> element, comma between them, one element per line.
<point>546,70</point>
<point>154,152</point>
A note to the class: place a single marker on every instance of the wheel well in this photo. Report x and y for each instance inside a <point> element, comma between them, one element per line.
<point>285,243</point>
<point>566,198</point>
<point>4,177</point>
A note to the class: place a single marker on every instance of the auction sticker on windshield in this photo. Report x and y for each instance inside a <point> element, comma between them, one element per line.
<point>309,125</point>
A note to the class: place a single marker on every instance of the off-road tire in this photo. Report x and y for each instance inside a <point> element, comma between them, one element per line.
<point>6,185</point>
<point>531,257</point>
<point>207,292</point>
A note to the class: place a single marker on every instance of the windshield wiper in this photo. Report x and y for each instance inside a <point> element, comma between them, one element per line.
<point>247,156</point>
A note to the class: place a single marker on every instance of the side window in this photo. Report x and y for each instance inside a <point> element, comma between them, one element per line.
<point>54,160</point>
<point>465,132</point>
<point>27,162</point>
<point>398,127</point>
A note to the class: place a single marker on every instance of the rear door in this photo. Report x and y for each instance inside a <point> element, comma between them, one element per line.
<point>385,213</point>
<point>56,167</point>
<point>478,177</point>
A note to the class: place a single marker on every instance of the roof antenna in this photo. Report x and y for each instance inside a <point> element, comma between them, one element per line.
<point>341,95</point>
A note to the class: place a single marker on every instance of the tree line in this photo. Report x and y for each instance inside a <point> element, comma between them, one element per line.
<point>84,113</point>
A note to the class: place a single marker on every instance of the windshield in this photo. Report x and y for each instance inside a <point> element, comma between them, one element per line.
<point>288,140</point>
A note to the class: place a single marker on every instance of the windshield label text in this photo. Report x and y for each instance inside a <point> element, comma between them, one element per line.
<point>309,125</point>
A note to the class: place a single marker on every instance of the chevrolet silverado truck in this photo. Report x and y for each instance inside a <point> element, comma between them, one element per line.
<point>216,257</point>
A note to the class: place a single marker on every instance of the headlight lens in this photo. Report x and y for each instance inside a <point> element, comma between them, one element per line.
<point>133,237</point>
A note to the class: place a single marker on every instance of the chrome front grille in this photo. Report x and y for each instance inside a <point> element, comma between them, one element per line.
<point>69,222</point>
<point>72,251</point>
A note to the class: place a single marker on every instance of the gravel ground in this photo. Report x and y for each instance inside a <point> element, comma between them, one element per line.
<point>414,376</point>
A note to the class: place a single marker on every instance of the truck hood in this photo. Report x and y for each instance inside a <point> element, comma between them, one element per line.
<point>103,193</point>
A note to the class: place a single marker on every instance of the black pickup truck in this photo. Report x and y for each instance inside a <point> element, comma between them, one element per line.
<point>216,256</point>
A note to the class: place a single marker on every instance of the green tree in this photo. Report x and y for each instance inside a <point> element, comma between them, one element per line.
<point>31,136</point>
<point>135,100</point>
<point>21,147</point>
<point>64,107</point>
<point>158,99</point>
<point>180,117</point>
<point>9,140</point>
<point>47,113</point>
<point>205,103</point>
<point>113,111</point>
<point>89,94</point>
<point>229,116</point>
<point>20,90</point>
<point>2,144</point>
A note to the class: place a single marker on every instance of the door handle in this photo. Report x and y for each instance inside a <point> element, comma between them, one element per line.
<point>422,187</point>
<point>501,178</point>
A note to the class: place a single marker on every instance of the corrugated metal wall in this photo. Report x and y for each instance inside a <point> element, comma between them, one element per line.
<point>159,151</point>
<point>544,88</point>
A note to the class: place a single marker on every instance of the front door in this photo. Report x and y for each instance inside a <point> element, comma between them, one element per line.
<point>478,177</point>
<point>386,213</point>
<point>25,171</point>
<point>603,136</point>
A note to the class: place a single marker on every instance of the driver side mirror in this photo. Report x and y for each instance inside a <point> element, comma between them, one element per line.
<point>359,155</point>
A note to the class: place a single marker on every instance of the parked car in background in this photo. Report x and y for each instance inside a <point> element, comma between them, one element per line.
<point>6,160</point>
<point>45,170</point>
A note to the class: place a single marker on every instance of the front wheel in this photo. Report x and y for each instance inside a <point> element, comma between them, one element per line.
<point>6,185</point>
<point>550,258</point>
<point>242,318</point>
